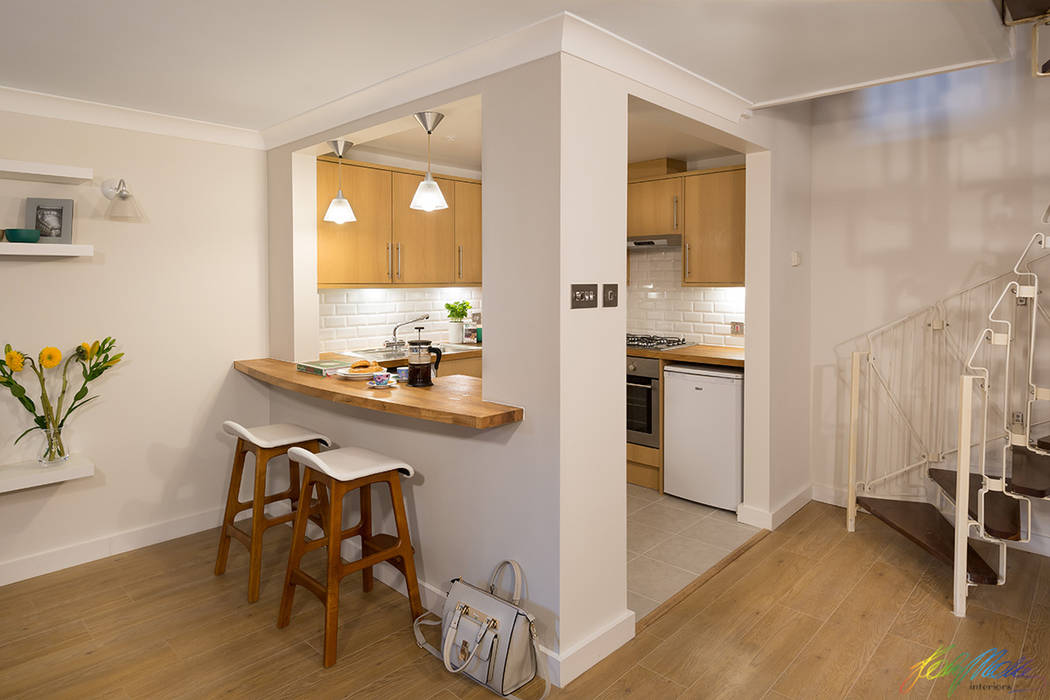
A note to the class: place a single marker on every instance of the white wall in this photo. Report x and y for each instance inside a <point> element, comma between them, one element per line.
<point>920,188</point>
<point>364,318</point>
<point>482,496</point>
<point>183,293</point>
<point>657,303</point>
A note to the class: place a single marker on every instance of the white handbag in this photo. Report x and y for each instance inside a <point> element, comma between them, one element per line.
<point>487,638</point>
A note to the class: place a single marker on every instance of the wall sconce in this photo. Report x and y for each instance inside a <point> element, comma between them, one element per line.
<point>122,206</point>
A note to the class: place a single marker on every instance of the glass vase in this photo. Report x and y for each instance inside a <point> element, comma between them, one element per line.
<point>54,451</point>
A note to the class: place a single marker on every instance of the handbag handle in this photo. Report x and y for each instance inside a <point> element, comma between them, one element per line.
<point>450,639</point>
<point>519,576</point>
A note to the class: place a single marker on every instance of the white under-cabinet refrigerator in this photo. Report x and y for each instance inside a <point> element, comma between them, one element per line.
<point>704,434</point>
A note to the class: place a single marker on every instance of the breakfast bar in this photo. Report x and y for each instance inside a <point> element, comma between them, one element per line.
<point>453,399</point>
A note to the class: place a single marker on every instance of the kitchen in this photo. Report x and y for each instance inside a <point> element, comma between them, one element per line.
<point>685,322</point>
<point>685,354</point>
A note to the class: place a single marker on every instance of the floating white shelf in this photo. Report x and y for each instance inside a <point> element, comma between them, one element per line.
<point>62,250</point>
<point>24,475</point>
<point>44,172</point>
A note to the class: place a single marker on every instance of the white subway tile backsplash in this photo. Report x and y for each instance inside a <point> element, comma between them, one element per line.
<point>363,318</point>
<point>658,303</point>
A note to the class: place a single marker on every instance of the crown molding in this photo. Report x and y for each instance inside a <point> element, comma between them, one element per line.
<point>560,33</point>
<point>40,104</point>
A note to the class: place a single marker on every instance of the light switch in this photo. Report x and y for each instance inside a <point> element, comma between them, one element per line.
<point>610,294</point>
<point>583,296</point>
<point>796,259</point>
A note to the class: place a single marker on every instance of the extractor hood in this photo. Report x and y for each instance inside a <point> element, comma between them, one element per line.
<point>643,242</point>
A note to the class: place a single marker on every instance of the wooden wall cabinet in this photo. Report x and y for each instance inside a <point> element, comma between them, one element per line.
<point>713,231</point>
<point>390,243</point>
<point>654,207</point>
<point>423,241</point>
<point>356,251</point>
<point>468,233</point>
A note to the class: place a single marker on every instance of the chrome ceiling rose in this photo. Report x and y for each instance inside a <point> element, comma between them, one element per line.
<point>429,120</point>
<point>340,146</point>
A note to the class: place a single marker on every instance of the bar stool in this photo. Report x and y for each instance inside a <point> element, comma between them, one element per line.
<point>341,471</point>
<point>266,442</point>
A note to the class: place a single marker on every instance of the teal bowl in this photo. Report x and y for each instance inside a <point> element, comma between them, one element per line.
<point>22,235</point>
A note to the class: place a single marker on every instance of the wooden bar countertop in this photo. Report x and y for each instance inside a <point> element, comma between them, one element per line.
<point>455,399</point>
<point>701,354</point>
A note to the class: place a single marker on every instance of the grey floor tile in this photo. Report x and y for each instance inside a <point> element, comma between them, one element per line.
<point>665,517</point>
<point>641,605</point>
<point>642,493</point>
<point>688,553</point>
<point>687,506</point>
<point>720,533</point>
<point>641,538</point>
<point>635,503</point>
<point>655,579</point>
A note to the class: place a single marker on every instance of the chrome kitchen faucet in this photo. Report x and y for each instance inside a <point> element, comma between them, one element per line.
<point>395,343</point>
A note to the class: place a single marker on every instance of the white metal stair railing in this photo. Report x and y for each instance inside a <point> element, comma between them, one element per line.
<point>903,394</point>
<point>976,382</point>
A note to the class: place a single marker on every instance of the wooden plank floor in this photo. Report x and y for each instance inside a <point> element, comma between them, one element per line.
<point>810,611</point>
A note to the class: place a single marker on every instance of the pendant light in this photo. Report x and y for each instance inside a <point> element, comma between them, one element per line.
<point>428,195</point>
<point>340,211</point>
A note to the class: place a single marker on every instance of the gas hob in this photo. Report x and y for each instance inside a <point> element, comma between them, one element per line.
<point>654,342</point>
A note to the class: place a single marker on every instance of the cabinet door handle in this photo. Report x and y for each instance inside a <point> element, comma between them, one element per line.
<point>687,261</point>
<point>389,261</point>
<point>674,212</point>
<point>399,261</point>
<point>461,262</point>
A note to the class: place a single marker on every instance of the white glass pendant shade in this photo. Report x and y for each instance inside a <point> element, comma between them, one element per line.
<point>340,211</point>
<point>428,196</point>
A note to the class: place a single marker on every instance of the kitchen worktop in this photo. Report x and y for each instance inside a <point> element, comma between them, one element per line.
<point>701,354</point>
<point>387,358</point>
<point>454,399</point>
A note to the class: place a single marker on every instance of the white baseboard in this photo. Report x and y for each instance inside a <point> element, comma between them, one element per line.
<point>755,517</point>
<point>562,668</point>
<point>568,665</point>
<point>63,557</point>
<point>791,506</point>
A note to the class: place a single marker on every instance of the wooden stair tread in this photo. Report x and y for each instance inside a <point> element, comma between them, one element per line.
<point>1002,514</point>
<point>1029,473</point>
<point>925,526</point>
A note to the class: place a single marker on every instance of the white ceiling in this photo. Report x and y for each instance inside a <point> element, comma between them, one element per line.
<point>256,63</point>
<point>652,132</point>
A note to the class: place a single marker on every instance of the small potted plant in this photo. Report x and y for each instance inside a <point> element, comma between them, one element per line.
<point>457,313</point>
<point>94,359</point>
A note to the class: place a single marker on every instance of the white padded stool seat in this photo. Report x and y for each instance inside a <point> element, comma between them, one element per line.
<point>349,463</point>
<point>276,435</point>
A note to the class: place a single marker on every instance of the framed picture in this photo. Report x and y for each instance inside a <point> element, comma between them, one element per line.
<point>52,217</point>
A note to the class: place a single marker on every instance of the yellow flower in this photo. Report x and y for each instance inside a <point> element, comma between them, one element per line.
<point>15,360</point>
<point>50,357</point>
<point>87,350</point>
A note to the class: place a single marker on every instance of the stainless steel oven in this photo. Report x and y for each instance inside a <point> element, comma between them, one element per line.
<point>643,401</point>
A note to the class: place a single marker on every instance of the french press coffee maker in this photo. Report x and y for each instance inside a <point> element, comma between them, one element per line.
<point>419,370</point>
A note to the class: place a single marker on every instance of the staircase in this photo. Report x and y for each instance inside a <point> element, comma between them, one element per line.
<point>923,455</point>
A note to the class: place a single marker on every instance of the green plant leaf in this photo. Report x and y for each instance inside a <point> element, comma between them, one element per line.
<point>81,394</point>
<point>41,422</point>
<point>26,433</point>
<point>18,391</point>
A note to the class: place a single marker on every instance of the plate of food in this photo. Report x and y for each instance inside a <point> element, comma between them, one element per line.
<point>360,370</point>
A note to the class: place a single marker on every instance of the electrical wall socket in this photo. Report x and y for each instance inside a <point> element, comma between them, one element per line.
<point>583,296</point>
<point>736,328</point>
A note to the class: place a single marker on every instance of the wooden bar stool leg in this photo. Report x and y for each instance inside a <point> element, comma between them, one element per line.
<point>367,578</point>
<point>262,457</point>
<point>405,545</point>
<point>335,563</point>
<point>232,499</point>
<point>295,555</point>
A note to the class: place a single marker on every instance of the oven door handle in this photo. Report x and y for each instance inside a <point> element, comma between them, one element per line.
<point>641,386</point>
